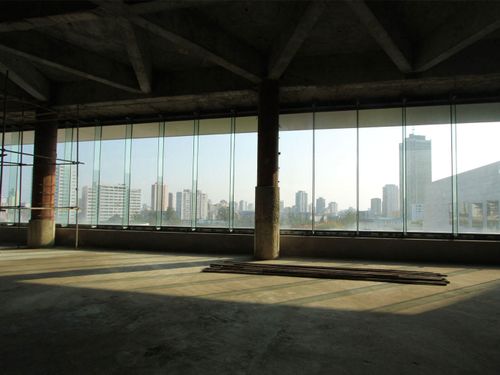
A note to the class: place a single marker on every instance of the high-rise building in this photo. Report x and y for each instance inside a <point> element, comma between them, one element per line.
<point>320,205</point>
<point>301,201</point>
<point>184,205</point>
<point>390,201</point>
<point>201,205</point>
<point>110,202</point>
<point>376,207</point>
<point>333,208</point>
<point>418,167</point>
<point>65,195</point>
<point>170,200</point>
<point>178,204</point>
<point>478,206</point>
<point>159,197</point>
<point>242,206</point>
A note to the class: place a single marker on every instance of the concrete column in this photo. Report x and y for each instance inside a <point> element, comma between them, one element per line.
<point>41,229</point>
<point>267,215</point>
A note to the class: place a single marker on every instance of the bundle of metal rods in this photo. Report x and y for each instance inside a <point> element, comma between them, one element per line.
<point>347,273</point>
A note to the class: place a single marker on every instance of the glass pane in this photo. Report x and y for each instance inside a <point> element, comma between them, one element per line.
<point>65,194</point>
<point>27,174</point>
<point>428,169</point>
<point>10,178</point>
<point>335,166</point>
<point>85,175</point>
<point>245,168</point>
<point>478,168</point>
<point>295,175</point>
<point>177,172</point>
<point>380,134</point>
<point>112,189</point>
<point>212,186</point>
<point>144,174</point>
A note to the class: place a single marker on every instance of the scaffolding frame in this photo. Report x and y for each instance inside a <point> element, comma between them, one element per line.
<point>16,123</point>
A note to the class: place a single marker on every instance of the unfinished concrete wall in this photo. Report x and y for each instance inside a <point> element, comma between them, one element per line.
<point>387,249</point>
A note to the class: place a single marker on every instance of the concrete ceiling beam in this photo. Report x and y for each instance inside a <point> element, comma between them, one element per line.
<point>462,31</point>
<point>380,34</point>
<point>62,56</point>
<point>139,55</point>
<point>31,23</point>
<point>287,47</point>
<point>356,74</point>
<point>25,76</point>
<point>193,36</point>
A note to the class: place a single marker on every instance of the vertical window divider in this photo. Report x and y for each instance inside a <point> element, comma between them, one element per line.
<point>454,177</point>
<point>15,181</point>
<point>21,142</point>
<point>96,178</point>
<point>77,178</point>
<point>129,128</point>
<point>160,180</point>
<point>4,131</point>
<point>404,177</point>
<point>357,167</point>
<point>232,171</point>
<point>194,191</point>
<point>68,152</point>
<point>313,203</point>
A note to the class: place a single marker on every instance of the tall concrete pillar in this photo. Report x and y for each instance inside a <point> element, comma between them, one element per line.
<point>41,229</point>
<point>267,208</point>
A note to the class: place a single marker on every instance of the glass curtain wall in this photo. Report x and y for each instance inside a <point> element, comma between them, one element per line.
<point>380,133</point>
<point>178,145</point>
<point>432,169</point>
<point>477,182</point>
<point>212,201</point>
<point>66,178</point>
<point>427,165</point>
<point>11,174</point>
<point>296,171</point>
<point>335,138</point>
<point>26,174</point>
<point>148,194</point>
<point>244,171</point>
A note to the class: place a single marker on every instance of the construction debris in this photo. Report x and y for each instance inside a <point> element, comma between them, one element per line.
<point>365,274</point>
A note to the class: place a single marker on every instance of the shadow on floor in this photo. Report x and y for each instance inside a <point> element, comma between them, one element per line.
<point>62,329</point>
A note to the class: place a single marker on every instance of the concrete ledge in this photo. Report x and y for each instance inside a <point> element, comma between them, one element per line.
<point>387,249</point>
<point>392,249</point>
<point>13,235</point>
<point>193,242</point>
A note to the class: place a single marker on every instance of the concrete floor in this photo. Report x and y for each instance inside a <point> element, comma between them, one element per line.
<point>67,311</point>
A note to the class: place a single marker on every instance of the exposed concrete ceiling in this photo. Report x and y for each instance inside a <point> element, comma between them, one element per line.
<point>112,58</point>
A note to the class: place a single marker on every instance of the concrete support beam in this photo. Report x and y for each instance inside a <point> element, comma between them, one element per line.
<point>25,76</point>
<point>380,34</point>
<point>267,227</point>
<point>59,55</point>
<point>138,54</point>
<point>196,37</point>
<point>452,37</point>
<point>41,229</point>
<point>84,15</point>
<point>290,44</point>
